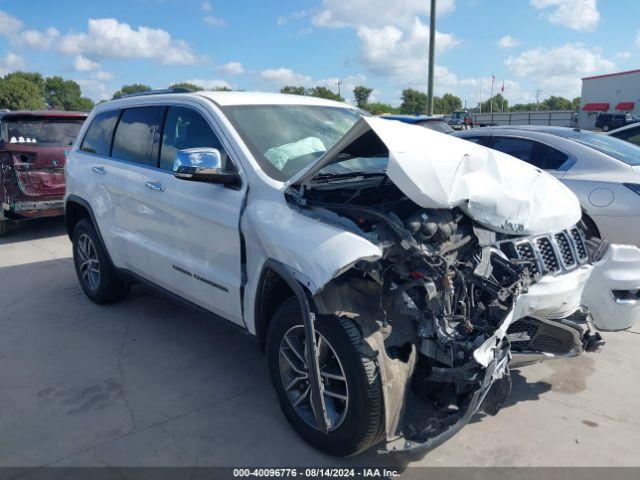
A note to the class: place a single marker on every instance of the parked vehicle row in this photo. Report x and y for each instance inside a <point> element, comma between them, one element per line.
<point>388,269</point>
<point>611,121</point>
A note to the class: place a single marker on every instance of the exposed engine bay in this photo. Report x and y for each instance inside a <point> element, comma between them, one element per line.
<point>442,293</point>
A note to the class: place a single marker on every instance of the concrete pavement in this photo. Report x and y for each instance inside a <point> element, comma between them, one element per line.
<point>146,382</point>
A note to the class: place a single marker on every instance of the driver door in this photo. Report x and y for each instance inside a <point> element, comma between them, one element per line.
<point>193,227</point>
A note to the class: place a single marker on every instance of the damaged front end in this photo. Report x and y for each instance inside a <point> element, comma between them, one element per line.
<point>437,307</point>
<point>434,311</point>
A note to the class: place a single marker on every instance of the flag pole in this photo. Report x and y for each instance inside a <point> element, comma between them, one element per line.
<point>432,48</point>
<point>493,80</point>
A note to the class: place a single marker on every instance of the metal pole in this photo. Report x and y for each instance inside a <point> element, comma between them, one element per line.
<point>432,49</point>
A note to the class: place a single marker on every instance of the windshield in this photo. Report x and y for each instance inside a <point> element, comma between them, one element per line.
<point>285,139</point>
<point>614,147</point>
<point>41,131</point>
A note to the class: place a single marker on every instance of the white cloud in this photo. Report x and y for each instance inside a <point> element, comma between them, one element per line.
<point>390,51</point>
<point>293,16</point>
<point>214,22</point>
<point>83,64</point>
<point>574,14</point>
<point>95,89</point>
<point>40,40</point>
<point>209,84</point>
<point>508,42</point>
<point>102,75</point>
<point>638,39</point>
<point>9,24</point>
<point>10,63</point>
<point>623,55</point>
<point>231,68</point>
<point>375,13</point>
<point>108,38</point>
<point>206,6</point>
<point>279,77</point>
<point>559,70</point>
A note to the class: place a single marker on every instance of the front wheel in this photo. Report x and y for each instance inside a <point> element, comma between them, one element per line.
<point>606,128</point>
<point>350,378</point>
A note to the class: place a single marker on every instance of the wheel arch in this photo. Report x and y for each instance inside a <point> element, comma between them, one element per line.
<point>276,285</point>
<point>76,209</point>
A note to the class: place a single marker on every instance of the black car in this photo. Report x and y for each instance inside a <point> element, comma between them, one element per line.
<point>611,121</point>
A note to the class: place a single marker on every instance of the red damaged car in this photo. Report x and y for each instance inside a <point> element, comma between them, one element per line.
<point>33,145</point>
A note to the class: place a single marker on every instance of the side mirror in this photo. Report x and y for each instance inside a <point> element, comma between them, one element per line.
<point>203,165</point>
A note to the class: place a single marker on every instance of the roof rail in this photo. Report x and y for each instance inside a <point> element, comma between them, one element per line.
<point>158,92</point>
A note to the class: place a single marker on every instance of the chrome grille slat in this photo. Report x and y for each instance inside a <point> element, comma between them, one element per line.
<point>551,254</point>
<point>581,248</point>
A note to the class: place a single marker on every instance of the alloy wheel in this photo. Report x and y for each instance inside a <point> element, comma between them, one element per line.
<point>294,374</point>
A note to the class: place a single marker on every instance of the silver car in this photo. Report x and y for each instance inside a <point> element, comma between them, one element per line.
<point>603,171</point>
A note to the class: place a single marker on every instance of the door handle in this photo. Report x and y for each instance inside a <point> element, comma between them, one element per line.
<point>157,186</point>
<point>99,170</point>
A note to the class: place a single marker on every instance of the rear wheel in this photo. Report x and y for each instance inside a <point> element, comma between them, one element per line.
<point>97,277</point>
<point>351,381</point>
<point>606,128</point>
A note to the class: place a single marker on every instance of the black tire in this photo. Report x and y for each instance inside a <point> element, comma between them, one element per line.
<point>590,227</point>
<point>3,228</point>
<point>109,287</point>
<point>363,424</point>
<point>606,128</point>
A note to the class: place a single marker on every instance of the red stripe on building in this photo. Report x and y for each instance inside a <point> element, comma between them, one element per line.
<point>611,74</point>
<point>594,107</point>
<point>626,106</point>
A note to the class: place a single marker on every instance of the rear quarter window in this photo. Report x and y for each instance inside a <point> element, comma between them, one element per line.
<point>97,140</point>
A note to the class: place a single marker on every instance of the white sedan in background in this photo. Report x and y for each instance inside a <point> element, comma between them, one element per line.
<point>603,171</point>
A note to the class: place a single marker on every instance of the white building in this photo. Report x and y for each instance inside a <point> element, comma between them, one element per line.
<point>611,93</point>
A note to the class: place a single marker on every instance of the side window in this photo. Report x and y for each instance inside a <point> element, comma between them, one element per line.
<point>517,147</point>
<point>185,128</point>
<point>134,134</point>
<point>535,153</point>
<point>98,137</point>
<point>634,138</point>
<point>472,139</point>
<point>548,158</point>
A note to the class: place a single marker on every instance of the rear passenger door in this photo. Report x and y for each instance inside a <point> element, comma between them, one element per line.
<point>192,228</point>
<point>535,153</point>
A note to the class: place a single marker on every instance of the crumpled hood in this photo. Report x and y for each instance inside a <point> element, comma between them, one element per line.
<point>440,171</point>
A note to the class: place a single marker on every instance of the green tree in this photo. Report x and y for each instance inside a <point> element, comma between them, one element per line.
<point>497,101</point>
<point>324,92</point>
<point>293,90</point>
<point>449,103</point>
<point>413,101</point>
<point>378,108</point>
<point>129,89</point>
<point>189,86</point>
<point>575,104</point>
<point>221,89</point>
<point>558,103</point>
<point>19,91</point>
<point>361,94</point>
<point>61,94</point>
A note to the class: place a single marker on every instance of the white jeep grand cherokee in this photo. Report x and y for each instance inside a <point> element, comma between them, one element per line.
<point>391,271</point>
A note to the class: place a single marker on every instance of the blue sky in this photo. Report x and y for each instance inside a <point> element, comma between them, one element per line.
<point>265,44</point>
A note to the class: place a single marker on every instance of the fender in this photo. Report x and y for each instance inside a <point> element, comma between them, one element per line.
<point>311,350</point>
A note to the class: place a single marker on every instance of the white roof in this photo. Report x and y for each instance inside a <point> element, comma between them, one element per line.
<point>263,98</point>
